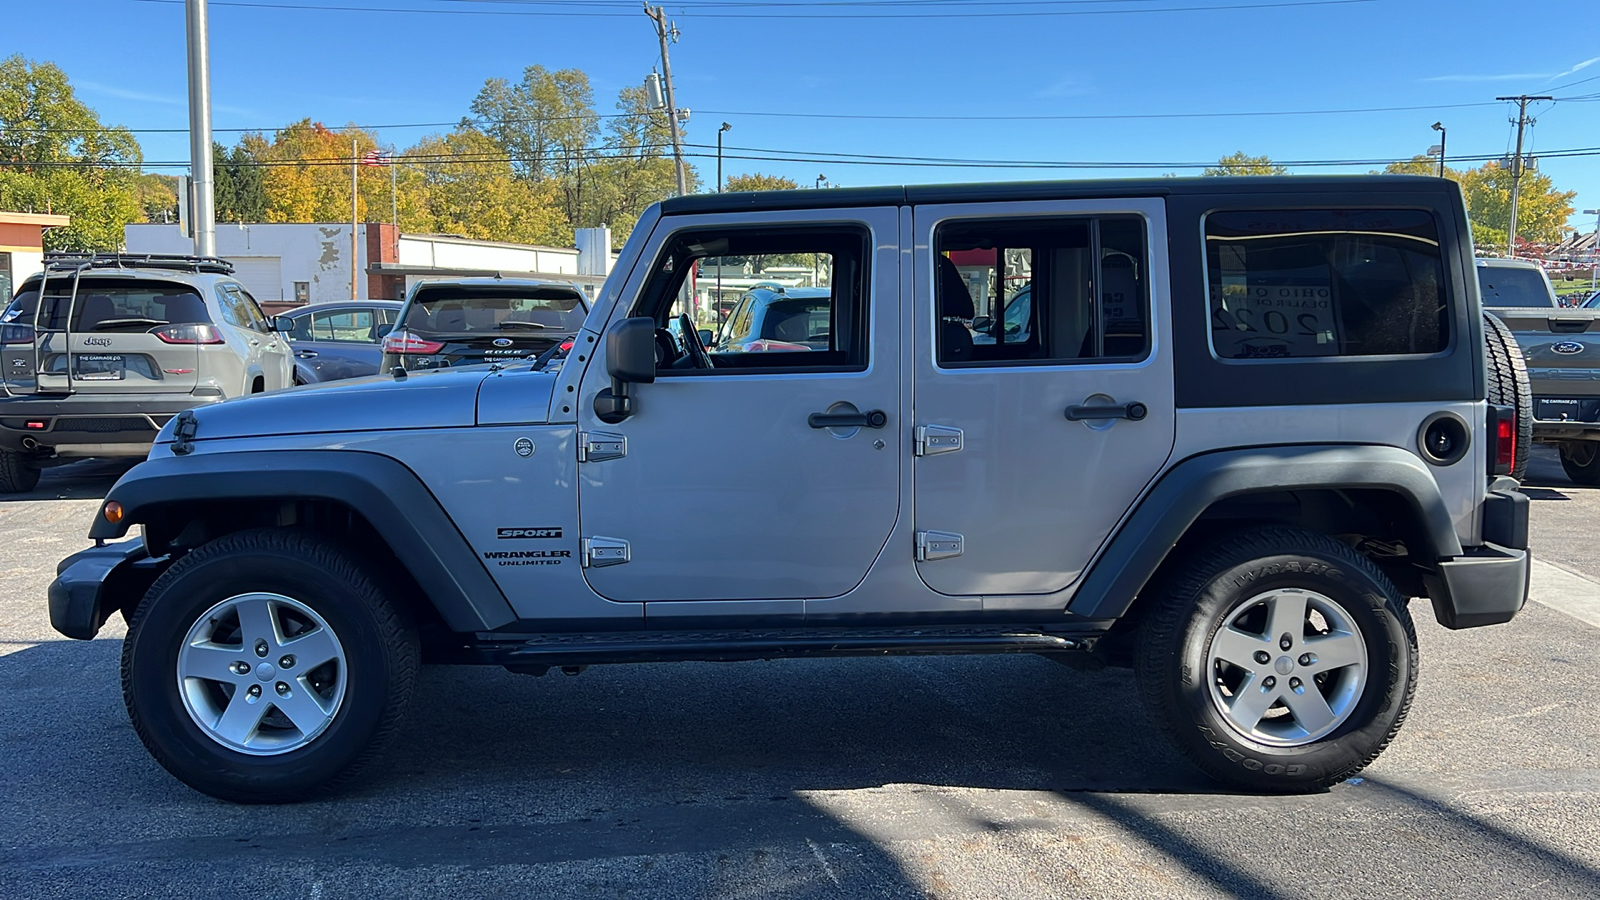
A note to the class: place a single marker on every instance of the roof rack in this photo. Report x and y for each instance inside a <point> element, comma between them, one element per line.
<point>58,262</point>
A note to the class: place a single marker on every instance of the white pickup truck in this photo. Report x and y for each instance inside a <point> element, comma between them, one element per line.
<point>1561,348</point>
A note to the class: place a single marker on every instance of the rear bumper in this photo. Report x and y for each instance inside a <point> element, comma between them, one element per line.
<point>92,584</point>
<point>79,425</point>
<point>1488,584</point>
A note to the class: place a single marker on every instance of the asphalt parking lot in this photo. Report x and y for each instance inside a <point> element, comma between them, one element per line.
<point>957,777</point>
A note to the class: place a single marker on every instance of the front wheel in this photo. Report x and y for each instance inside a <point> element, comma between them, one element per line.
<point>267,666</point>
<point>1280,660</point>
<point>17,475</point>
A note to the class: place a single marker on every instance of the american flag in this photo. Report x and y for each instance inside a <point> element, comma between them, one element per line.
<point>375,158</point>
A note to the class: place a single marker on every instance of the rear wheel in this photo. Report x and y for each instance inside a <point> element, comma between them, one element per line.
<point>1280,660</point>
<point>17,475</point>
<point>267,666</point>
<point>1507,374</point>
<point>1581,461</point>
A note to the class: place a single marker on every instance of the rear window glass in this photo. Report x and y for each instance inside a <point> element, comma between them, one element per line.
<point>476,310</point>
<point>1312,283</point>
<point>1508,286</point>
<point>125,307</point>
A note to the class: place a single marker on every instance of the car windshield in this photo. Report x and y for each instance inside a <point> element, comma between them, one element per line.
<point>1505,286</point>
<point>796,321</point>
<point>463,310</point>
<point>110,306</point>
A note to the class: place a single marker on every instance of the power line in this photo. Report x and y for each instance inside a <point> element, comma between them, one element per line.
<point>1271,4</point>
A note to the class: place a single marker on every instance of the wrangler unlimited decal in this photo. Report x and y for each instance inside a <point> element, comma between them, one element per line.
<point>527,557</point>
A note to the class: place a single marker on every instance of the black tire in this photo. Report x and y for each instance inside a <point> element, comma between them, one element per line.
<point>17,476</point>
<point>1581,461</point>
<point>1507,376</point>
<point>1175,673</point>
<point>378,641</point>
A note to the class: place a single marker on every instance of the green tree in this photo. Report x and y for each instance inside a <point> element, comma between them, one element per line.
<point>56,156</point>
<point>547,124</point>
<point>1242,164</point>
<point>241,191</point>
<point>1542,211</point>
<point>469,188</point>
<point>756,181</point>
<point>635,168</point>
<point>158,196</point>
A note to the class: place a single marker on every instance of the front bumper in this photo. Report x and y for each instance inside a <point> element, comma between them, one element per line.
<point>92,584</point>
<point>80,425</point>
<point>1488,584</point>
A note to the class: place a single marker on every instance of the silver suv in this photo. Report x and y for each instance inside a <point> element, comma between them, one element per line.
<point>1243,425</point>
<point>117,346</point>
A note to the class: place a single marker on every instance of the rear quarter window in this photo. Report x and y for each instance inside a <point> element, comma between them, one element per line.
<point>1513,287</point>
<point>1287,284</point>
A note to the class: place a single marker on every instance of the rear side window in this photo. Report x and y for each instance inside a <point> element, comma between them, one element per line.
<point>1513,286</point>
<point>111,307</point>
<point>1313,283</point>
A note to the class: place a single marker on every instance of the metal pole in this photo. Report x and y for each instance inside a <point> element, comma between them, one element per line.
<point>205,208</point>
<point>1439,127</point>
<point>1594,248</point>
<point>663,32</point>
<point>355,254</point>
<point>1516,167</point>
<point>394,196</point>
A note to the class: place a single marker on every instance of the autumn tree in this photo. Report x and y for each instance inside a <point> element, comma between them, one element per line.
<point>756,181</point>
<point>634,168</point>
<point>468,187</point>
<point>56,156</point>
<point>1542,211</point>
<point>547,123</point>
<point>1242,164</point>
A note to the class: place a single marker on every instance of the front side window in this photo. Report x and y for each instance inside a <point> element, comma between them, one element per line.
<point>804,306</point>
<point>1313,283</point>
<point>1058,290</point>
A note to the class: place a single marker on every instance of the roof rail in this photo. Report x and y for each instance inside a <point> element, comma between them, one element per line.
<point>57,262</point>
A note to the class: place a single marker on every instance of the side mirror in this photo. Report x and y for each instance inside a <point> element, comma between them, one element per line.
<point>280,324</point>
<point>630,359</point>
<point>982,323</point>
<point>383,331</point>
<point>707,338</point>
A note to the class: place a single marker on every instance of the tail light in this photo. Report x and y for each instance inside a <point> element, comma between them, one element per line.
<point>1502,440</point>
<point>404,342</point>
<point>16,334</point>
<point>192,333</point>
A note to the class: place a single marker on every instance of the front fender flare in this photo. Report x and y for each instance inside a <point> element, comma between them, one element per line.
<point>1190,487</point>
<point>384,491</point>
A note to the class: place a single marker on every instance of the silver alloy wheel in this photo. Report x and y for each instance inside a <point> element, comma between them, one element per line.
<point>261,674</point>
<point>1287,667</point>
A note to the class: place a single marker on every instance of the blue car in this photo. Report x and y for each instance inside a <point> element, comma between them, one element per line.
<point>333,341</point>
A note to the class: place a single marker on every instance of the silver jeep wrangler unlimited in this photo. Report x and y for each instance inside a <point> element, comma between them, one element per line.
<point>1237,425</point>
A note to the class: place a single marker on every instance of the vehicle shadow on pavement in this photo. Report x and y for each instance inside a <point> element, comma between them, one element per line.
<point>86,479</point>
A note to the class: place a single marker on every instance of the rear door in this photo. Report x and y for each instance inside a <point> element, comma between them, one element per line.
<point>339,342</point>
<point>1037,430</point>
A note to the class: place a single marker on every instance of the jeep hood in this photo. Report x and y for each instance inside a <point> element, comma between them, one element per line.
<point>441,399</point>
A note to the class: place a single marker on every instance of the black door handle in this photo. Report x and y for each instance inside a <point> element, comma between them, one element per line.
<point>872,418</point>
<point>1133,411</point>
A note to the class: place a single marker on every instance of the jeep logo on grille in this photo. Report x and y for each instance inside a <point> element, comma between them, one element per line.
<point>502,342</point>
<point>98,342</point>
<point>1567,347</point>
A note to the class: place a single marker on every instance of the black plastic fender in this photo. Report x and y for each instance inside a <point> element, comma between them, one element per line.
<point>384,491</point>
<point>1191,486</point>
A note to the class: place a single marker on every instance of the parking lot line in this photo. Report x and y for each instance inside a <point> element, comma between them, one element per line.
<point>1565,591</point>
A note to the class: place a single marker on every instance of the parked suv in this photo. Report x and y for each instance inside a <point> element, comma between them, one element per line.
<point>147,336</point>
<point>478,320</point>
<point>1244,423</point>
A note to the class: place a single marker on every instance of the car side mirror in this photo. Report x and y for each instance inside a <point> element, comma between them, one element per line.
<point>383,331</point>
<point>280,324</point>
<point>982,323</point>
<point>630,359</point>
<point>707,339</point>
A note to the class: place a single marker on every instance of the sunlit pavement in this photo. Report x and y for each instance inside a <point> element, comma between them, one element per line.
<point>958,777</point>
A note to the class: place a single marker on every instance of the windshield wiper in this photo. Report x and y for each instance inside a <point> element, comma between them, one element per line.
<point>504,325</point>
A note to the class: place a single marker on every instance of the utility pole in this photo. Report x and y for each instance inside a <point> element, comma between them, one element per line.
<point>665,31</point>
<point>204,184</point>
<point>1522,122</point>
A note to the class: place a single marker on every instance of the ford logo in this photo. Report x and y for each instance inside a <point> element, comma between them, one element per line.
<point>1567,347</point>
<point>506,342</point>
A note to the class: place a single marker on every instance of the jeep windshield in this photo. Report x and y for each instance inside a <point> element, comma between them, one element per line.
<point>1513,287</point>
<point>106,305</point>
<point>488,311</point>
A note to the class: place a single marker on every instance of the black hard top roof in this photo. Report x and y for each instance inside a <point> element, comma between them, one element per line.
<point>914,194</point>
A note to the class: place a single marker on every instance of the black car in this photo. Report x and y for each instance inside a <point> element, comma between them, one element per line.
<point>340,340</point>
<point>477,320</point>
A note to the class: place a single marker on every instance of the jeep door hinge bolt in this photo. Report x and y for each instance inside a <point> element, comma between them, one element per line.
<point>261,648</point>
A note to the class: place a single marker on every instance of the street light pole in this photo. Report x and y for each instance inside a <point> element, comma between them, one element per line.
<point>820,180</point>
<point>203,182</point>
<point>1439,127</point>
<point>725,127</point>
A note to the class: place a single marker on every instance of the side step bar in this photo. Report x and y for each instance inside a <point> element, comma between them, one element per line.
<point>538,652</point>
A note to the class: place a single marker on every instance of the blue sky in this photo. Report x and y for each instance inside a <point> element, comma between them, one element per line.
<point>271,66</point>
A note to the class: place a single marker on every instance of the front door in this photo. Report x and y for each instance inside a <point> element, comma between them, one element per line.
<point>774,472</point>
<point>1044,400</point>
